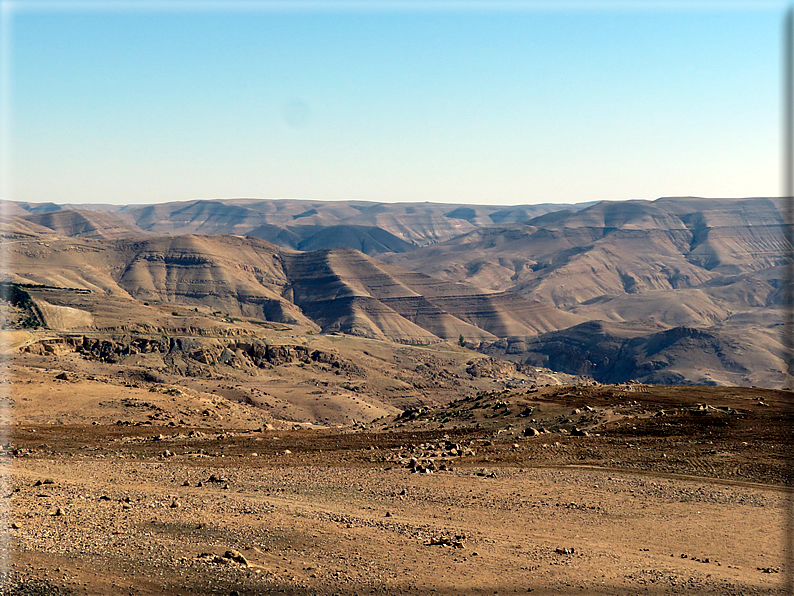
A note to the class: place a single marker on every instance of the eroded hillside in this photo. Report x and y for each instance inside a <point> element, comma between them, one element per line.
<point>681,290</point>
<point>332,290</point>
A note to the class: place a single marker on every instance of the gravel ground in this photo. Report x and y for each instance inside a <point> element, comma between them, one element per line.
<point>260,524</point>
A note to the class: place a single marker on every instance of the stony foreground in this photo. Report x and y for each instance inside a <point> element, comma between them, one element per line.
<point>354,519</point>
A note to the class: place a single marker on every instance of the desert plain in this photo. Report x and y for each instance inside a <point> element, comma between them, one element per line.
<point>565,402</point>
<point>122,486</point>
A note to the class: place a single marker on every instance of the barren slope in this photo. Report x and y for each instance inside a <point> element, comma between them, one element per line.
<point>612,249</point>
<point>680,264</point>
<point>334,290</point>
<point>419,223</point>
<point>86,224</point>
<point>368,239</point>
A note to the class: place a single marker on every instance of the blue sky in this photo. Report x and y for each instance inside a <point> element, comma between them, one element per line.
<point>524,104</point>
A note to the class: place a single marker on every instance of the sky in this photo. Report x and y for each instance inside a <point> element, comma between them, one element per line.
<point>138,102</point>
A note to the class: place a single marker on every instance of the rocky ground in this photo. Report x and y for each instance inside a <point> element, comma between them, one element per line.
<point>161,510</point>
<point>324,465</point>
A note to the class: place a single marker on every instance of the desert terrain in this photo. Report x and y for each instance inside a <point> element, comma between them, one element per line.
<point>679,290</point>
<point>552,490</point>
<point>188,408</point>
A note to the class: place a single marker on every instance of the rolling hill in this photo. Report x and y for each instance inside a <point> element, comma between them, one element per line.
<point>332,290</point>
<point>708,272</point>
<point>611,250</point>
<point>683,290</point>
<point>413,223</point>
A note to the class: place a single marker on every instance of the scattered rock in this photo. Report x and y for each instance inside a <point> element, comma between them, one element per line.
<point>237,557</point>
<point>454,542</point>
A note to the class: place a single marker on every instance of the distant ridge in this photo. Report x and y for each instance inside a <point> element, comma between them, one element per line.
<point>414,223</point>
<point>680,289</point>
<point>369,240</point>
<point>85,224</point>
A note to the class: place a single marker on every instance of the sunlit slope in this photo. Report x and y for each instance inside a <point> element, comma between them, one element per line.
<point>334,290</point>
<point>86,224</point>
<point>616,249</point>
<point>414,223</point>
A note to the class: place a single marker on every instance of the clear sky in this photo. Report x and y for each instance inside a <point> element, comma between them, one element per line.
<point>525,103</point>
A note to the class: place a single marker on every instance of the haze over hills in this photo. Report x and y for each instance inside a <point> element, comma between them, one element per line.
<point>680,290</point>
<point>81,223</point>
<point>612,249</point>
<point>709,268</point>
<point>369,240</point>
<point>383,223</point>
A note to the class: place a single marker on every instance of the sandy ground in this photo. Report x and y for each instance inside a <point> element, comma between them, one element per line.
<point>351,519</point>
<point>119,483</point>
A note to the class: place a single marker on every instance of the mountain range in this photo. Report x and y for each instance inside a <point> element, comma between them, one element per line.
<point>375,227</point>
<point>677,290</point>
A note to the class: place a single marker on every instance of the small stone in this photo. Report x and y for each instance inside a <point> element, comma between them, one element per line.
<point>175,503</point>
